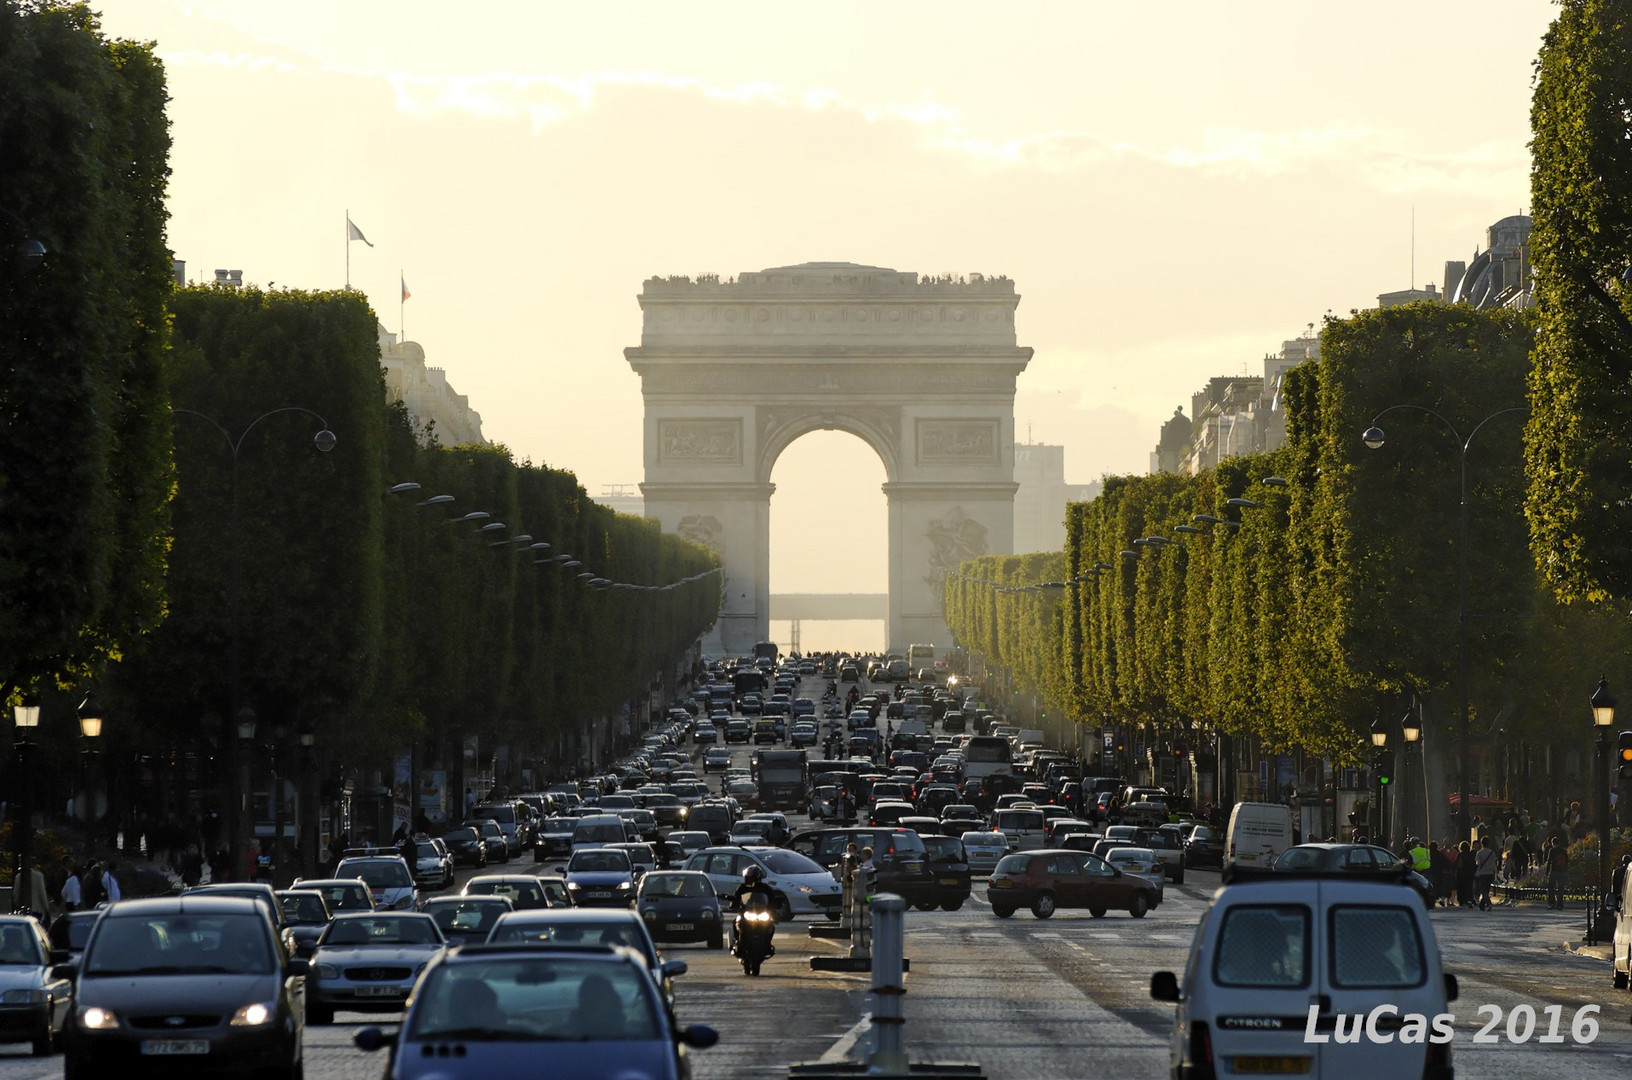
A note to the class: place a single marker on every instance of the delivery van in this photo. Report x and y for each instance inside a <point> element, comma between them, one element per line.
<point>1258,833</point>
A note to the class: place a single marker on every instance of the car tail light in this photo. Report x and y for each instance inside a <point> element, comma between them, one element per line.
<point>1201,1052</point>
<point>1437,1066</point>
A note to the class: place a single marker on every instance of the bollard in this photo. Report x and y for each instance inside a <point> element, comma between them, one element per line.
<point>889,1055</point>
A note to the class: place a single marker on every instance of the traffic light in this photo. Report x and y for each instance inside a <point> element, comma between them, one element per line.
<point>1385,775</point>
<point>1625,754</point>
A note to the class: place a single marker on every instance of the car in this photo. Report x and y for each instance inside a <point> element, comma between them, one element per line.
<point>899,860</point>
<point>466,846</point>
<point>553,839</point>
<point>799,885</point>
<point>497,847</point>
<point>803,734</point>
<point>961,817</point>
<point>690,840</point>
<point>680,905</point>
<point>369,962</point>
<point>641,856</point>
<point>35,1005</point>
<point>752,832</point>
<point>705,735</point>
<point>1313,949</point>
<point>716,757</point>
<point>433,864</point>
<point>341,894</point>
<point>949,875</point>
<point>983,849</point>
<point>1025,827</point>
<point>260,892</point>
<point>600,877</point>
<point>738,731</point>
<point>1168,851</point>
<point>71,930</point>
<point>307,915</point>
<point>619,929</point>
<point>386,876</point>
<point>1140,861</point>
<point>1353,860</point>
<point>889,812</point>
<point>595,1010</point>
<point>1047,880</point>
<point>466,920</point>
<point>666,809</point>
<point>141,974</point>
<point>508,815</point>
<point>597,830</point>
<point>524,891</point>
<point>1204,847</point>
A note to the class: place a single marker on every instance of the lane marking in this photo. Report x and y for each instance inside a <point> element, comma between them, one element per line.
<point>840,1050</point>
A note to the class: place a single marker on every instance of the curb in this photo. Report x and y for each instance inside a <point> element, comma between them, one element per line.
<point>1597,952</point>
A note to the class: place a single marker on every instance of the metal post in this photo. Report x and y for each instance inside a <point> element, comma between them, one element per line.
<point>1599,914</point>
<point>889,1054</point>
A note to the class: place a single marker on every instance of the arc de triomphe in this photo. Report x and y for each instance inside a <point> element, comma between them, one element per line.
<point>922,370</point>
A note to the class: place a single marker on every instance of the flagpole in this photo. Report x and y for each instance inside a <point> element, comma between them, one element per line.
<point>400,305</point>
<point>348,249</point>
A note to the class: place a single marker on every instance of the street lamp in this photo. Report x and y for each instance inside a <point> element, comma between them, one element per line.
<point>245,721</point>
<point>27,718</point>
<point>1600,920</point>
<point>1374,439</point>
<point>1379,741</point>
<point>90,727</point>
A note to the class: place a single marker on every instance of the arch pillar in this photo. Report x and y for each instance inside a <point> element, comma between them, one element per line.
<point>734,519</point>
<point>934,526</point>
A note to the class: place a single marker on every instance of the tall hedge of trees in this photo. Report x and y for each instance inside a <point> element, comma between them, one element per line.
<point>1303,619</point>
<point>85,469</point>
<point>1581,197</point>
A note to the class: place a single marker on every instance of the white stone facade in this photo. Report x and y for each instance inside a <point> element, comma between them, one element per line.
<point>923,371</point>
<point>432,405</point>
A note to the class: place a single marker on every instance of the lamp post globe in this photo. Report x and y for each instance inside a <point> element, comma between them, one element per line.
<point>1373,438</point>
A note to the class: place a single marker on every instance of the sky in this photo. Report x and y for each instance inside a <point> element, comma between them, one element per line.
<point>1175,188</point>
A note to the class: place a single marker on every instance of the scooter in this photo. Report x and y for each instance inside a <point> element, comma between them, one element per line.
<point>755,926</point>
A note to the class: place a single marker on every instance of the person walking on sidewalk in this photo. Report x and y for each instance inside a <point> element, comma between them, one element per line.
<point>1485,861</point>
<point>1556,858</point>
<point>1463,869</point>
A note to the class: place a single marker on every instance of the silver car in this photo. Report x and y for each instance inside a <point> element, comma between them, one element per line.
<point>34,1005</point>
<point>1141,862</point>
<point>368,962</point>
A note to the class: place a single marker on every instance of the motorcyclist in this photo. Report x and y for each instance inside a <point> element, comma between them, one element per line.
<point>753,893</point>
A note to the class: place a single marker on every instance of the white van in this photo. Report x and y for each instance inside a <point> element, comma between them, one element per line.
<point>1312,976</point>
<point>1622,956</point>
<point>1026,829</point>
<point>1258,833</point>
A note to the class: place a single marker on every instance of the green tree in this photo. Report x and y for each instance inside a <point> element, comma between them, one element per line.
<point>85,470</point>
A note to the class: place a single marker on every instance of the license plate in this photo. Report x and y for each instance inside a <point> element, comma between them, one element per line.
<point>1281,1066</point>
<point>949,881</point>
<point>600,896</point>
<point>379,991</point>
<point>175,1046</point>
<point>682,926</point>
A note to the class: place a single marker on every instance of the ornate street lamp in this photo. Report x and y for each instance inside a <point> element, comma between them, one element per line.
<point>1600,920</point>
<point>27,718</point>
<point>1379,741</point>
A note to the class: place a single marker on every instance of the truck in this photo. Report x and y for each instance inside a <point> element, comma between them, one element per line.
<point>783,777</point>
<point>766,650</point>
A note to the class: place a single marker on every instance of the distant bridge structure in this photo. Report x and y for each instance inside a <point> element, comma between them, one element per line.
<point>829,606</point>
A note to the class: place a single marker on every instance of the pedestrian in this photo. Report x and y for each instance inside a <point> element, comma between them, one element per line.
<point>110,883</point>
<point>470,803</point>
<point>1557,861</point>
<point>70,892</point>
<point>34,896</point>
<point>192,867</point>
<point>1617,881</point>
<point>93,891</point>
<point>1440,874</point>
<point>1485,861</point>
<point>1572,821</point>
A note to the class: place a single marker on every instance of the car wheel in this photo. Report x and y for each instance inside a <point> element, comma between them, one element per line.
<point>1138,907</point>
<point>1002,911</point>
<point>951,905</point>
<point>924,905</point>
<point>319,1015</point>
<point>1620,980</point>
<point>781,910</point>
<point>1043,906</point>
<point>1097,912</point>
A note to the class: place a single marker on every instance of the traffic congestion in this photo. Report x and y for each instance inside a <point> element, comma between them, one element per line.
<point>652,918</point>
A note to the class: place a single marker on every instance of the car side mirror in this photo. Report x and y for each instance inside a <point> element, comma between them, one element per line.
<point>671,969</point>
<point>298,965</point>
<point>1164,986</point>
<point>1452,990</point>
<point>369,1038</point>
<point>560,869</point>
<point>63,971</point>
<point>699,1036</point>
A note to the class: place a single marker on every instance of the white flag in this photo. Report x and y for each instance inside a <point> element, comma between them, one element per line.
<point>354,233</point>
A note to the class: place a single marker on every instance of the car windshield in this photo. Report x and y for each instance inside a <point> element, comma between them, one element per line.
<point>181,944</point>
<point>304,909</point>
<point>382,930</point>
<point>380,875</point>
<point>526,999</point>
<point>623,932</point>
<point>943,848</point>
<point>691,886</point>
<point>599,859</point>
<point>789,862</point>
<point>1130,855</point>
<point>346,896</point>
<point>465,917</point>
<point>598,833</point>
<point>523,894</point>
<point>461,836</point>
<point>19,945</point>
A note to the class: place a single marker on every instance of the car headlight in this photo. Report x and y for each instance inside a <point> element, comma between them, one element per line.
<point>624,885</point>
<point>22,996</point>
<point>648,913</point>
<point>97,1019</point>
<point>327,971</point>
<point>573,886</point>
<point>710,913</point>
<point>255,1014</point>
<point>806,889</point>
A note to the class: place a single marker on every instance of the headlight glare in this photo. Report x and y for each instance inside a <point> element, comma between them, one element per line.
<point>254,1014</point>
<point>97,1019</point>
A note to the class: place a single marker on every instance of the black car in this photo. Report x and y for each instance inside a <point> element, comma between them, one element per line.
<point>1352,860</point>
<point>948,866</point>
<point>307,914</point>
<point>466,920</point>
<point>466,846</point>
<point>899,861</point>
<point>680,905</point>
<point>184,983</point>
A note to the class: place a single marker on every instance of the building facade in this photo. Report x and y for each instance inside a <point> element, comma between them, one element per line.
<point>434,409</point>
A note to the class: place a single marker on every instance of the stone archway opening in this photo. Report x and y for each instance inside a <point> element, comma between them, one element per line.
<point>922,370</point>
<point>829,568</point>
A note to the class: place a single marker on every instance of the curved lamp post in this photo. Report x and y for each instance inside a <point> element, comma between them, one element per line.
<point>1379,741</point>
<point>1374,439</point>
<point>1600,920</point>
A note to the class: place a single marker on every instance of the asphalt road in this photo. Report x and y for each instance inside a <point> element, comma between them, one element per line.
<point>1067,997</point>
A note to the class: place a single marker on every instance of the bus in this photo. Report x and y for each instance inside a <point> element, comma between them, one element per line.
<point>920,656</point>
<point>984,755</point>
<point>783,777</point>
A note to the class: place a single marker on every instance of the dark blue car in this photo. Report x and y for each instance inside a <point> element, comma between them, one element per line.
<point>600,877</point>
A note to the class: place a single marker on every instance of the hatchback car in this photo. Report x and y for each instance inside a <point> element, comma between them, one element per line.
<point>34,1004</point>
<point>949,875</point>
<point>386,876</point>
<point>524,891</point>
<point>984,850</point>
<point>680,905</point>
<point>369,962</point>
<point>600,877</point>
<point>493,840</point>
<point>341,894</point>
<point>716,758</point>
<point>1140,861</point>
<point>1204,847</point>
<point>623,929</point>
<point>466,846</point>
<point>433,864</point>
<point>799,885</point>
<point>307,915</point>
<point>213,963</point>
<point>1045,881</point>
<point>466,920</point>
<point>593,1012</point>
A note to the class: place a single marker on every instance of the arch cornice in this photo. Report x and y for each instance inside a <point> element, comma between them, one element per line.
<point>779,426</point>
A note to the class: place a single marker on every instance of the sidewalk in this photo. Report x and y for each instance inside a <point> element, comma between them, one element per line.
<point>1605,951</point>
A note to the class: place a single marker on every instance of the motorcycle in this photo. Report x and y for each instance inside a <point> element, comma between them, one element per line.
<point>754,928</point>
